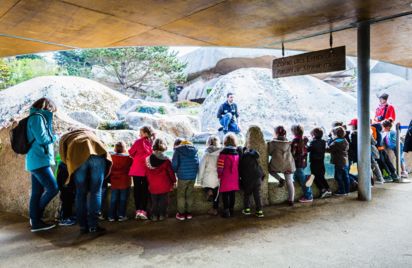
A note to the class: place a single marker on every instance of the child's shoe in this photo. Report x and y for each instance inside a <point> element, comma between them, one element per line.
<point>123,218</point>
<point>189,216</point>
<point>137,215</point>
<point>110,219</point>
<point>212,212</point>
<point>246,211</point>
<point>291,203</point>
<point>100,216</point>
<point>143,215</point>
<point>67,222</point>
<point>259,214</point>
<point>404,174</point>
<point>309,180</point>
<point>180,216</point>
<point>162,218</point>
<point>226,213</point>
<point>153,218</point>
<point>305,200</point>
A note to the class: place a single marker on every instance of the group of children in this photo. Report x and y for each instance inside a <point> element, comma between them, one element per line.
<point>224,170</point>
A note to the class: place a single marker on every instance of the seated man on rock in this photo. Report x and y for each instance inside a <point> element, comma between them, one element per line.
<point>228,115</point>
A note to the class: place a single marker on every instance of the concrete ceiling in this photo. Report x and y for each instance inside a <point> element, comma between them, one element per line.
<point>29,26</point>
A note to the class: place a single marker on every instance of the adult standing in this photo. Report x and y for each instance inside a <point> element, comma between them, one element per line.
<point>384,110</point>
<point>88,163</point>
<point>228,115</point>
<point>39,160</point>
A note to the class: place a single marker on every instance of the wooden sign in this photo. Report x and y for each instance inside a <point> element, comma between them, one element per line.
<point>322,61</point>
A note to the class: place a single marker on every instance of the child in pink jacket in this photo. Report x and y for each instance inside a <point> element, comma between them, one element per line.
<point>228,174</point>
<point>140,150</point>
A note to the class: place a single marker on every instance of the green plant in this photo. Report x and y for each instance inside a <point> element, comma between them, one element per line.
<point>186,104</point>
<point>208,90</point>
<point>146,109</point>
<point>113,125</point>
<point>162,110</point>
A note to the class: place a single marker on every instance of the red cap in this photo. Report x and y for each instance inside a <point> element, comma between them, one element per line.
<point>353,122</point>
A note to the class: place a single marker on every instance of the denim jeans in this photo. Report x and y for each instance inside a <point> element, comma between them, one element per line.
<point>299,176</point>
<point>228,124</point>
<point>342,176</point>
<point>89,178</point>
<point>43,189</point>
<point>118,203</point>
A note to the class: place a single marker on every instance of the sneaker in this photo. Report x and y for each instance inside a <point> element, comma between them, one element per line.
<point>304,200</point>
<point>138,214</point>
<point>110,219</point>
<point>162,218</point>
<point>97,230</point>
<point>309,180</point>
<point>246,211</point>
<point>291,203</point>
<point>67,222</point>
<point>259,214</point>
<point>404,174</point>
<point>340,194</point>
<point>153,218</point>
<point>189,216</point>
<point>122,218</point>
<point>388,179</point>
<point>379,182</point>
<point>281,183</point>
<point>404,181</point>
<point>226,213</point>
<point>220,129</point>
<point>324,194</point>
<point>180,216</point>
<point>100,216</point>
<point>42,226</point>
<point>143,215</point>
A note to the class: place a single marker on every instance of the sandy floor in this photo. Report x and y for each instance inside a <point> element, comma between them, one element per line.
<point>338,232</point>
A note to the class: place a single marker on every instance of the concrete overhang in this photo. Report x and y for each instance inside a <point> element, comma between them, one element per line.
<point>31,26</point>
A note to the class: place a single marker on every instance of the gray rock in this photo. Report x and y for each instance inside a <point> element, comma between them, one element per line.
<point>88,118</point>
<point>128,107</point>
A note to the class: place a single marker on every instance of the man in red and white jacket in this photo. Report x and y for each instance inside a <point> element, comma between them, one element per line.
<point>384,110</point>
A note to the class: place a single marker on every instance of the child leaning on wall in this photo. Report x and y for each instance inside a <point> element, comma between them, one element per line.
<point>228,173</point>
<point>120,182</point>
<point>161,178</point>
<point>185,163</point>
<point>300,153</point>
<point>280,151</point>
<point>338,150</point>
<point>207,177</point>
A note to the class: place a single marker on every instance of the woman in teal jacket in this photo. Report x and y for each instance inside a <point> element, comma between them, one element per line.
<point>39,160</point>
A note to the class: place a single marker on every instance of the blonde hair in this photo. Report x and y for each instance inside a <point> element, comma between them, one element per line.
<point>213,141</point>
<point>230,140</point>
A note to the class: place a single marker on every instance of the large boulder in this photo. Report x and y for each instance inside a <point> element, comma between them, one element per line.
<point>137,105</point>
<point>88,118</point>
<point>268,102</point>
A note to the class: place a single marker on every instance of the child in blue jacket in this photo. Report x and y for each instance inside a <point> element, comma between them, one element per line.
<point>185,163</point>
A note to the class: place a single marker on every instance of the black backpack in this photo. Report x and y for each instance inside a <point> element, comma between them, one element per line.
<point>18,135</point>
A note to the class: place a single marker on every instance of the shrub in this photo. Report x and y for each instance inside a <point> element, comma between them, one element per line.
<point>186,104</point>
<point>113,125</point>
<point>151,110</point>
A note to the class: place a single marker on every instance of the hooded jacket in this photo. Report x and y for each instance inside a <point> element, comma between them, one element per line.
<point>338,150</point>
<point>281,157</point>
<point>185,161</point>
<point>140,150</point>
<point>300,151</point>
<point>250,172</point>
<point>119,175</point>
<point>159,172</point>
<point>41,153</point>
<point>208,168</point>
<point>408,139</point>
<point>380,114</point>
<point>317,149</point>
<point>353,147</point>
<point>228,169</point>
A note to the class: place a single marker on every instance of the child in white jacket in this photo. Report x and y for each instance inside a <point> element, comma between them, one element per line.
<point>207,177</point>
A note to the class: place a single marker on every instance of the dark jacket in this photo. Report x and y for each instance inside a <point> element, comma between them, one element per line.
<point>317,149</point>
<point>160,175</point>
<point>408,139</point>
<point>353,147</point>
<point>227,108</point>
<point>338,150</point>
<point>185,161</point>
<point>300,151</point>
<point>250,172</point>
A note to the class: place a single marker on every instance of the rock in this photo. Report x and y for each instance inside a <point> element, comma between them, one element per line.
<point>137,105</point>
<point>268,102</point>
<point>197,89</point>
<point>201,138</point>
<point>88,118</point>
<point>127,107</point>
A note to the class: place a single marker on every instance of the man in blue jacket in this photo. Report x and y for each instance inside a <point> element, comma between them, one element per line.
<point>228,115</point>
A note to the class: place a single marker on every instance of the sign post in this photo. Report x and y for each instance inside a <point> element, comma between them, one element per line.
<point>322,61</point>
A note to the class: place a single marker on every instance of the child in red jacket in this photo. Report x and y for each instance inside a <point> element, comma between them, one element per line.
<point>120,182</point>
<point>161,179</point>
<point>141,149</point>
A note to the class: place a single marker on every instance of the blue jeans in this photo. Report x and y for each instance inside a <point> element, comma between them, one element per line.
<point>229,125</point>
<point>342,176</point>
<point>43,189</point>
<point>118,203</point>
<point>299,176</point>
<point>89,178</point>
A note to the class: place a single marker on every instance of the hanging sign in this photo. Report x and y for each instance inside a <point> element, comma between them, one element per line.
<point>322,61</point>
